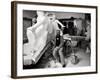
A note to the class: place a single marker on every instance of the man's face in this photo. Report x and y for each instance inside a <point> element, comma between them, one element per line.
<point>52,17</point>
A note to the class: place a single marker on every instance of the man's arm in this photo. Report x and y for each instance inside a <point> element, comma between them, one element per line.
<point>57,21</point>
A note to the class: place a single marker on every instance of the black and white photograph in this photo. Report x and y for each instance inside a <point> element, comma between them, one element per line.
<point>54,39</point>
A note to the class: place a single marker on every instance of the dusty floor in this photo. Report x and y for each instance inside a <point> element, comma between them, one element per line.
<point>84,60</point>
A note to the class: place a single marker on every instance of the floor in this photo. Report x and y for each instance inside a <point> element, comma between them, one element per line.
<point>46,61</point>
<point>83,60</point>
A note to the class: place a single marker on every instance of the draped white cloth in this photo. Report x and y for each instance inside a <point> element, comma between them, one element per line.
<point>37,40</point>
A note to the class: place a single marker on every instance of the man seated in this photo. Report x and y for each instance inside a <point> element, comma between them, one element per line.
<point>59,50</point>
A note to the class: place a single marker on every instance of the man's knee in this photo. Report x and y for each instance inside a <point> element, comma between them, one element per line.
<point>55,51</point>
<point>60,51</point>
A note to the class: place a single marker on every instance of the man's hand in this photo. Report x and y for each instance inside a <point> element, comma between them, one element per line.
<point>57,48</point>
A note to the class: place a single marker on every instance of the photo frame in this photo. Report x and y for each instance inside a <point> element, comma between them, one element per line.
<point>76,23</point>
